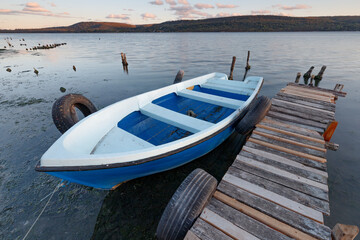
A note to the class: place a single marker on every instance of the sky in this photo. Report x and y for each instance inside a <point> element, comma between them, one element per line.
<point>48,13</point>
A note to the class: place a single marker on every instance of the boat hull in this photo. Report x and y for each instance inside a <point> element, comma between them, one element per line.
<point>108,178</point>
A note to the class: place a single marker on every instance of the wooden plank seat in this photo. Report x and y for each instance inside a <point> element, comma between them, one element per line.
<point>223,88</point>
<point>232,83</point>
<point>179,120</point>
<point>213,99</point>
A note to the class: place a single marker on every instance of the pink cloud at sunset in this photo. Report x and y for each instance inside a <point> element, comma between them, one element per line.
<point>184,2</point>
<point>118,16</point>
<point>219,5</point>
<point>290,8</point>
<point>147,16</point>
<point>157,2</point>
<point>171,2</point>
<point>203,6</point>
<point>34,7</point>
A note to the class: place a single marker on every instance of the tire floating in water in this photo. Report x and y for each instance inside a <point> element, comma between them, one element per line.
<point>64,110</point>
<point>186,205</point>
<point>255,114</point>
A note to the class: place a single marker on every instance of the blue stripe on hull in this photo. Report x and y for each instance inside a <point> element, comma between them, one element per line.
<point>108,178</point>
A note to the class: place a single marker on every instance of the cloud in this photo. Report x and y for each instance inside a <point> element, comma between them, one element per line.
<point>188,12</point>
<point>118,16</point>
<point>184,2</point>
<point>157,2</point>
<point>260,12</point>
<point>147,16</point>
<point>203,6</point>
<point>223,14</point>
<point>34,7</point>
<point>53,4</point>
<point>171,2</point>
<point>290,8</point>
<point>219,5</point>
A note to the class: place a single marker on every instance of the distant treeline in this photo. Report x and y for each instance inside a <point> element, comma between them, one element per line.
<point>228,24</point>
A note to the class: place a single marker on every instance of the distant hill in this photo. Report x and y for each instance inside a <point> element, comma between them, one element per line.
<point>227,24</point>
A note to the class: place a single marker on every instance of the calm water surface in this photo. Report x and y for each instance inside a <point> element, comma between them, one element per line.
<point>134,209</point>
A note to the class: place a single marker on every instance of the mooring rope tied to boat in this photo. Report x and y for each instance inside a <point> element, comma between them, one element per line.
<point>61,184</point>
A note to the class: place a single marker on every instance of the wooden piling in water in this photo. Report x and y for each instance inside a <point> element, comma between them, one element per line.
<point>232,68</point>
<point>307,75</point>
<point>319,76</point>
<point>298,76</point>
<point>179,76</point>
<point>123,59</point>
<point>247,68</point>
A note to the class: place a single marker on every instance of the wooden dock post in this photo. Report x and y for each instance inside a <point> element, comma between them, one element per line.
<point>247,68</point>
<point>318,77</point>
<point>179,76</point>
<point>123,59</point>
<point>298,76</point>
<point>307,75</point>
<point>311,80</point>
<point>232,68</point>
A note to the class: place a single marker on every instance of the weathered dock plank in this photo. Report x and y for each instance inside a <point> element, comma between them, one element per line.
<point>284,149</point>
<point>291,136</point>
<point>337,93</point>
<point>298,186</point>
<point>317,126</point>
<point>303,108</point>
<point>301,171</point>
<point>225,226</point>
<point>276,211</point>
<point>300,159</point>
<point>292,140</point>
<point>289,144</point>
<point>282,125</point>
<point>305,101</point>
<point>307,200</point>
<point>243,221</point>
<point>205,231</point>
<point>286,161</point>
<point>263,218</point>
<point>271,196</point>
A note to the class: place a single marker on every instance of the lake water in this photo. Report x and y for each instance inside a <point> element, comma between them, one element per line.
<point>134,209</point>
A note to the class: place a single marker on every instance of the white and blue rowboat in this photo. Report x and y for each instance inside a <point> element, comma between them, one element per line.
<point>151,132</point>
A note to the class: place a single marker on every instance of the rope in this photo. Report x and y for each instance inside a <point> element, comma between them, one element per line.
<point>47,203</point>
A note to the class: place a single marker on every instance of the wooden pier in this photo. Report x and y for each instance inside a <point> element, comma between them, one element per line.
<point>277,186</point>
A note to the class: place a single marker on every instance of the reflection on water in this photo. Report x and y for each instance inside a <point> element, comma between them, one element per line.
<point>27,129</point>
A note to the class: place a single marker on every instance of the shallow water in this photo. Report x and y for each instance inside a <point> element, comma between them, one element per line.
<point>133,210</point>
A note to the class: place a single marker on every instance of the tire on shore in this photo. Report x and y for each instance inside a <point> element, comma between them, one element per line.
<point>254,115</point>
<point>64,113</point>
<point>186,205</point>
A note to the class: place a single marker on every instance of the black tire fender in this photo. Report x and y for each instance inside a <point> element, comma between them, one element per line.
<point>64,113</point>
<point>254,115</point>
<point>186,205</point>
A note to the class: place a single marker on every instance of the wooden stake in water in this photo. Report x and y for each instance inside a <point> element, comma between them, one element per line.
<point>318,77</point>
<point>307,75</point>
<point>232,68</point>
<point>247,68</point>
<point>179,76</point>
<point>298,76</point>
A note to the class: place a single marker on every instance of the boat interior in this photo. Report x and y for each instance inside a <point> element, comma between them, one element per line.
<point>177,115</point>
